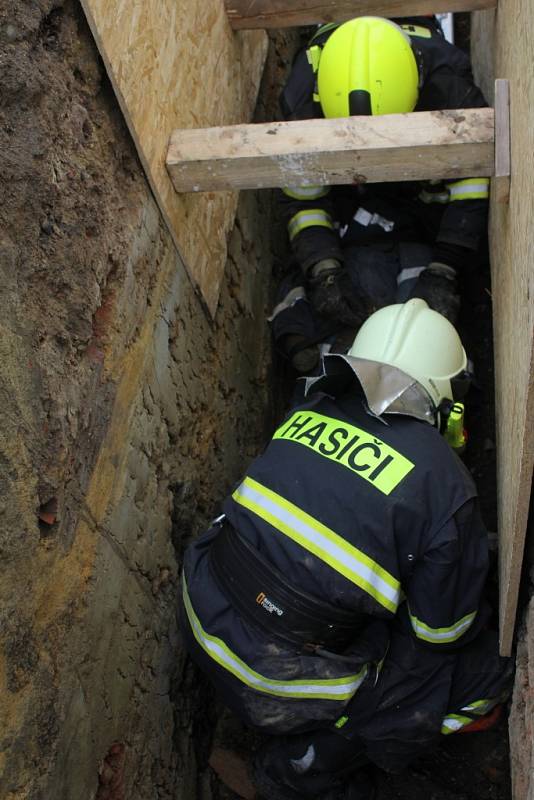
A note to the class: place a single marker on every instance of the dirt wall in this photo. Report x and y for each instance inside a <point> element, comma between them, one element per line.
<point>126,416</point>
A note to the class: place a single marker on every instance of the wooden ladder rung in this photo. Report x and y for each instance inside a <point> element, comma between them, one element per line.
<point>417,146</point>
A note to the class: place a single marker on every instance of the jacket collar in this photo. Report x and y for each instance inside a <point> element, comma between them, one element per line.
<point>387,389</point>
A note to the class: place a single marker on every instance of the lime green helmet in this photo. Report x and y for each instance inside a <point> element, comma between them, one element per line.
<point>366,66</point>
<point>417,341</point>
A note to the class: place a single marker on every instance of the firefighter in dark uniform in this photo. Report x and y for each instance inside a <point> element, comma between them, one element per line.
<point>338,603</point>
<point>376,275</point>
<point>371,65</point>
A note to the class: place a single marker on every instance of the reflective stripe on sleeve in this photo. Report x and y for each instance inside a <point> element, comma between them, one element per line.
<point>292,297</point>
<point>469,189</point>
<point>307,689</point>
<point>306,192</point>
<point>309,218</point>
<point>442,635</point>
<point>409,273</point>
<point>454,722</point>
<point>315,537</point>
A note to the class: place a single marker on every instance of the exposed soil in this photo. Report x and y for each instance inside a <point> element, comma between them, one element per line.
<point>107,357</point>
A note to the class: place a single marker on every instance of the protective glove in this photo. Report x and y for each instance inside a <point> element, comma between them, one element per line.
<point>438,285</point>
<point>315,764</point>
<point>303,356</point>
<point>332,294</point>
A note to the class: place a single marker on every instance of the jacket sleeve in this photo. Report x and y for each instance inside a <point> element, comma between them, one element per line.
<point>307,210</point>
<point>445,591</point>
<point>463,227</point>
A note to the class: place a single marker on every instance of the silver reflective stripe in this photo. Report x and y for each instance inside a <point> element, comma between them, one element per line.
<point>442,635</point>
<point>480,707</point>
<point>469,189</point>
<point>306,192</point>
<point>409,273</point>
<point>324,543</point>
<point>306,689</point>
<point>292,297</point>
<point>309,219</point>
<point>454,722</point>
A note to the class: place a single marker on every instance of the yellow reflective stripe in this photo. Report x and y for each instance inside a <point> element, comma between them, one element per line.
<point>307,689</point>
<point>469,189</point>
<point>480,707</point>
<point>323,542</point>
<point>306,192</point>
<point>352,447</point>
<point>417,30</point>
<point>454,722</point>
<point>308,219</point>
<point>442,635</point>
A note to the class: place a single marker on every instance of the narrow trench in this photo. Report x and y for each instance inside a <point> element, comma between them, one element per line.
<point>87,627</point>
<point>464,767</point>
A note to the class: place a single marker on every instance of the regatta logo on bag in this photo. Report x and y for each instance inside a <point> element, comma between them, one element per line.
<point>263,601</point>
<point>352,447</point>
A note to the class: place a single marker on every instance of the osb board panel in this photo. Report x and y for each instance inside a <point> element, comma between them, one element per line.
<point>177,64</point>
<point>512,249</point>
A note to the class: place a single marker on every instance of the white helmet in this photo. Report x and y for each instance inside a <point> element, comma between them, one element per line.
<point>416,340</point>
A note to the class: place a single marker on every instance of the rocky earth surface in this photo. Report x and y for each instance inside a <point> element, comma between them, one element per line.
<point>126,416</point>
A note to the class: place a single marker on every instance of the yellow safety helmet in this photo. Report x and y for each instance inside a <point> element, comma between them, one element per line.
<point>416,340</point>
<point>366,66</point>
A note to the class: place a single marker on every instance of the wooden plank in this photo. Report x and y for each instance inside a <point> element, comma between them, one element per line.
<point>174,64</point>
<point>288,13</point>
<point>422,145</point>
<point>512,272</point>
<point>500,185</point>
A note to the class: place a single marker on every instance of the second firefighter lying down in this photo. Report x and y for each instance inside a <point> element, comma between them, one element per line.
<point>375,275</point>
<point>338,604</point>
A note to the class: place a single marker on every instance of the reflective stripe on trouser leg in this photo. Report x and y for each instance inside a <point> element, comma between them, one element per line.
<point>469,189</point>
<point>454,722</point>
<point>478,708</point>
<point>309,218</point>
<point>481,707</point>
<point>306,192</point>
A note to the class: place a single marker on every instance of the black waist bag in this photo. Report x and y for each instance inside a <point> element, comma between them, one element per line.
<point>263,596</point>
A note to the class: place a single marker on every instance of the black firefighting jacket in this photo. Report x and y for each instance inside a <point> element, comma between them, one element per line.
<point>449,215</point>
<point>377,519</point>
